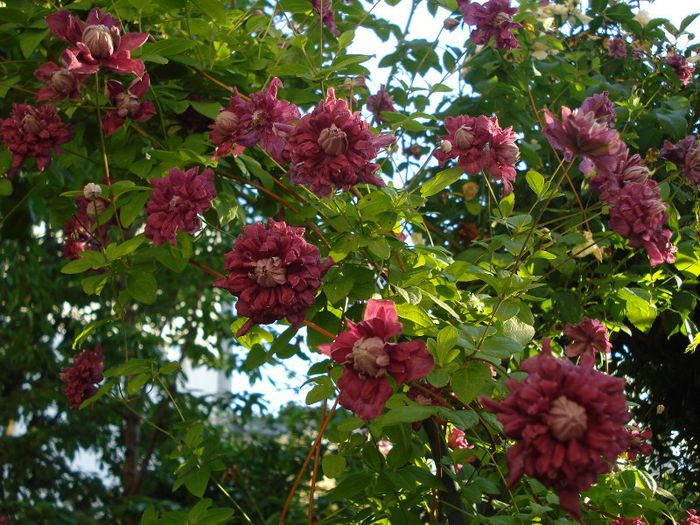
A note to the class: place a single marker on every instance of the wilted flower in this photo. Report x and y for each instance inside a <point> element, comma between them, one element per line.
<point>36,132</point>
<point>61,82</point>
<point>81,378</point>
<point>587,247</point>
<point>274,273</point>
<point>492,19</point>
<point>638,442</point>
<point>683,70</point>
<point>540,50</point>
<point>379,102</point>
<point>261,119</point>
<point>99,40</point>
<point>324,8</point>
<point>569,422</point>
<point>617,47</point>
<point>127,104</point>
<point>176,203</point>
<point>589,335</point>
<point>369,358</point>
<point>332,148</point>
<point>686,155</point>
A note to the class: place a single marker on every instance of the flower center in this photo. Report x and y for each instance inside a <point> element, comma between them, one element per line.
<point>502,19</point>
<point>98,39</point>
<point>257,118</point>
<point>269,272</point>
<point>333,140</point>
<point>174,202</point>
<point>31,124</point>
<point>127,104</point>
<point>227,121</point>
<point>567,419</point>
<point>62,81</point>
<point>368,357</point>
<point>464,137</point>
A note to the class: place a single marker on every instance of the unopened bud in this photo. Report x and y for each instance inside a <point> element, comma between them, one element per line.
<point>91,191</point>
<point>450,23</point>
<point>227,121</point>
<point>660,409</point>
<point>98,39</point>
<point>95,208</point>
<point>446,146</point>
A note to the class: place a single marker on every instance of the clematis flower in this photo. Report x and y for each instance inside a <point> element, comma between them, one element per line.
<point>379,102</point>
<point>81,378</point>
<point>628,170</point>
<point>458,441</point>
<point>332,148</point>
<point>261,119</point>
<point>128,103</point>
<point>617,47</point>
<point>680,66</point>
<point>691,518</point>
<point>601,106</point>
<point>80,232</point>
<point>99,41</point>
<point>274,273</point>
<point>63,81</point>
<point>176,203</point>
<point>568,421</point>
<point>589,335</point>
<point>324,8</point>
<point>638,442</point>
<point>686,155</point>
<point>492,19</point>
<point>36,132</point>
<point>370,359</point>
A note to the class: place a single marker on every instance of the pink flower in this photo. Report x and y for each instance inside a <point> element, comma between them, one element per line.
<point>324,8</point>
<point>691,518</point>
<point>627,521</point>
<point>379,102</point>
<point>569,422</point>
<point>680,66</point>
<point>369,359</point>
<point>602,107</point>
<point>332,148</point>
<point>638,442</point>
<point>480,143</point>
<point>589,335</point>
<point>81,378</point>
<point>63,81</point>
<point>127,103</point>
<point>33,132</point>
<point>458,441</point>
<point>261,119</point>
<point>99,40</point>
<point>384,446</point>
<point>617,48</point>
<point>492,19</point>
<point>80,232</point>
<point>638,214</point>
<point>176,203</point>
<point>686,155</point>
<point>628,170</point>
<point>274,273</point>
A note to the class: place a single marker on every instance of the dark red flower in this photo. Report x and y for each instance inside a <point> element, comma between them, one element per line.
<point>492,19</point>
<point>589,335</point>
<point>638,442</point>
<point>680,66</point>
<point>261,119</point>
<point>63,81</point>
<point>617,47</point>
<point>176,203</point>
<point>691,518</point>
<point>324,8</point>
<point>80,232</point>
<point>601,106</point>
<point>379,102</point>
<point>33,132</point>
<point>274,273</point>
<point>480,143</point>
<point>686,155</point>
<point>569,422</point>
<point>127,103</point>
<point>99,40</point>
<point>81,378</point>
<point>368,356</point>
<point>332,148</point>
<point>628,170</point>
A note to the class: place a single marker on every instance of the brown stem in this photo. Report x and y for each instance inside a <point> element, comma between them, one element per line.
<point>210,271</point>
<point>318,329</point>
<point>310,514</point>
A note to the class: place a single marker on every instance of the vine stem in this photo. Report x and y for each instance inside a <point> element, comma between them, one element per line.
<point>317,443</point>
<point>310,514</point>
<point>99,123</point>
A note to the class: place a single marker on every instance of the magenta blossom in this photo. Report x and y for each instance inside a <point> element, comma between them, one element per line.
<point>274,273</point>
<point>568,421</point>
<point>61,82</point>
<point>369,359</point>
<point>680,66</point>
<point>324,8</point>
<point>99,40</point>
<point>176,203</point>
<point>480,143</point>
<point>261,119</point>
<point>686,155</point>
<point>332,148</point>
<point>639,442</point>
<point>628,170</point>
<point>36,132</point>
<point>458,441</point>
<point>127,103</point>
<point>81,378</point>
<point>601,106</point>
<point>492,19</point>
<point>589,335</point>
<point>379,102</point>
<point>617,47</point>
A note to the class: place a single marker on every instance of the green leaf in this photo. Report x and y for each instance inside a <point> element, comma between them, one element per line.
<point>116,251</point>
<point>136,383</point>
<point>468,382</point>
<point>441,181</point>
<point>536,182</point>
<point>168,46</point>
<point>322,390</point>
<point>333,465</point>
<point>351,486</point>
<point>131,207</point>
<point>5,188</point>
<point>169,368</point>
<point>406,414</point>
<point>197,480</point>
<point>639,307</point>
<point>30,39</point>
<point>212,8</point>
<point>142,285</point>
<point>131,367</point>
<point>208,109</point>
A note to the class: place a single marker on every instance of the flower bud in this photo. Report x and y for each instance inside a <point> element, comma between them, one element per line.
<point>660,409</point>
<point>62,81</point>
<point>91,191</point>
<point>95,208</point>
<point>226,121</point>
<point>446,146</point>
<point>464,137</point>
<point>127,104</point>
<point>470,190</point>
<point>450,23</point>
<point>30,123</point>
<point>333,140</point>
<point>98,39</point>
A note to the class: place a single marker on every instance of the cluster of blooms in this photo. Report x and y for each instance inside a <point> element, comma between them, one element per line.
<point>617,47</point>
<point>274,273</point>
<point>324,8</point>
<point>589,335</point>
<point>492,19</point>
<point>686,155</point>
<point>638,442</point>
<point>81,378</point>
<point>176,202</point>
<point>380,102</point>
<point>369,358</point>
<point>80,232</point>
<point>636,209</point>
<point>680,66</point>
<point>458,441</point>
<point>569,422</point>
<point>127,103</point>
<point>691,518</point>
<point>480,143</point>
